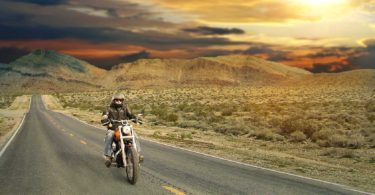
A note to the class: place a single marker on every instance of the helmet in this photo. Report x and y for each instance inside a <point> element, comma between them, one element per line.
<point>118,99</point>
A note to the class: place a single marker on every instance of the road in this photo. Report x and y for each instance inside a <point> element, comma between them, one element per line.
<point>55,154</point>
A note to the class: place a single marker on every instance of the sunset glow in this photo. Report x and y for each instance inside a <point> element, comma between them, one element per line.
<point>112,32</point>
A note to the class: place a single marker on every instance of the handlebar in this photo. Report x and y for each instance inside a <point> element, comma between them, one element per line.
<point>126,121</point>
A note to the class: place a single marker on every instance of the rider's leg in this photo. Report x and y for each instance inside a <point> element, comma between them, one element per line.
<point>108,147</point>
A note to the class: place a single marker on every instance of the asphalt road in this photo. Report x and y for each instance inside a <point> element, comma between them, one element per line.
<point>55,154</point>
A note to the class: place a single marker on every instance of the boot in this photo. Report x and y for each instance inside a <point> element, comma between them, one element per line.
<point>141,158</point>
<point>108,161</point>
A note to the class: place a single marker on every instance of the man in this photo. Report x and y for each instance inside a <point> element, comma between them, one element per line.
<point>116,111</point>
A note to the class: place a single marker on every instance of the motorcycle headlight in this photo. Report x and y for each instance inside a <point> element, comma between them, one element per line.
<point>126,130</point>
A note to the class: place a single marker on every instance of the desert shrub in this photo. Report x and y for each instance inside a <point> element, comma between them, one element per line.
<point>338,140</point>
<point>323,134</point>
<point>215,119</point>
<point>182,106</point>
<point>267,134</point>
<point>6,101</point>
<point>308,127</point>
<point>193,124</point>
<point>370,117</point>
<point>339,153</point>
<point>298,136</point>
<point>231,129</point>
<point>356,141</point>
<point>200,113</point>
<point>227,112</point>
<point>370,106</point>
<point>157,133</point>
<point>172,135</point>
<point>186,135</point>
<point>275,122</point>
<point>170,117</point>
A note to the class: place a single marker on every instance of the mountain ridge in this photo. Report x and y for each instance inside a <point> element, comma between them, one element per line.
<point>46,70</point>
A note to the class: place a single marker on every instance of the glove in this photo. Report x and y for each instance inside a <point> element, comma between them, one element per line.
<point>105,121</point>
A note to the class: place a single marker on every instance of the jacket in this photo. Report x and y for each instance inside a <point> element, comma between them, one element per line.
<point>118,113</point>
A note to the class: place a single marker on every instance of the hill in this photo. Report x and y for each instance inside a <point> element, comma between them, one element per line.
<point>45,70</point>
<point>223,70</point>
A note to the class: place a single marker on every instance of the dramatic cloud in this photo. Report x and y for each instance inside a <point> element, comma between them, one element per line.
<point>365,57</point>
<point>9,54</point>
<point>329,67</point>
<point>109,32</point>
<point>264,10</point>
<point>42,2</point>
<point>267,52</point>
<point>205,30</point>
<point>135,56</point>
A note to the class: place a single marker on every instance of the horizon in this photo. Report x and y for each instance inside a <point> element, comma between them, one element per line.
<point>300,33</point>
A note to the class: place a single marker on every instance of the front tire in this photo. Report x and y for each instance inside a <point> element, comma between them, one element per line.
<point>133,167</point>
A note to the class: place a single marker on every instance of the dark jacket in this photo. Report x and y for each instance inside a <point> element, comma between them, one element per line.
<point>118,113</point>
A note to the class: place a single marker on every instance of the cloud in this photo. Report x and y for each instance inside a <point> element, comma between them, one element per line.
<point>369,43</point>
<point>329,67</point>
<point>42,2</point>
<point>9,54</point>
<point>135,56</point>
<point>205,30</point>
<point>259,11</point>
<point>268,52</point>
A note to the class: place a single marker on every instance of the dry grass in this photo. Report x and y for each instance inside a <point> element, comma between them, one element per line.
<point>11,115</point>
<point>326,133</point>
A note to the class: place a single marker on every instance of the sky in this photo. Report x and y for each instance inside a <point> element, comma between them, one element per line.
<point>317,35</point>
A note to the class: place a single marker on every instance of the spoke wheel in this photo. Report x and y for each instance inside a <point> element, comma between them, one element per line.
<point>132,168</point>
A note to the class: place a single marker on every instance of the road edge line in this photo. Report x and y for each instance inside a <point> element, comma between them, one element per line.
<point>258,167</point>
<point>16,131</point>
<point>228,160</point>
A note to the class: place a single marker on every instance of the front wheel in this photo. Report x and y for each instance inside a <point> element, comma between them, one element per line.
<point>132,168</point>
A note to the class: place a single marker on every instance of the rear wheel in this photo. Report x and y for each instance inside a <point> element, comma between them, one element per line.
<point>132,168</point>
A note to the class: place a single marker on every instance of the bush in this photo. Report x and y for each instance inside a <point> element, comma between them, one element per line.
<point>227,112</point>
<point>323,134</point>
<point>370,106</point>
<point>170,118</point>
<point>298,136</point>
<point>356,141</point>
<point>338,140</point>
<point>193,124</point>
<point>267,135</point>
<point>371,117</point>
<point>231,130</point>
<point>291,125</point>
<point>186,135</point>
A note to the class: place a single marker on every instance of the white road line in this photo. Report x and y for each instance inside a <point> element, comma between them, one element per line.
<point>232,161</point>
<point>16,132</point>
<point>258,167</point>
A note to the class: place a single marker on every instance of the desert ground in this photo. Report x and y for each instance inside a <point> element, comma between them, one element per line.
<point>12,110</point>
<point>319,132</point>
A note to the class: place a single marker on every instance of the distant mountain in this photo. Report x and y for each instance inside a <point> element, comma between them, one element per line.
<point>45,70</point>
<point>354,78</point>
<point>223,70</point>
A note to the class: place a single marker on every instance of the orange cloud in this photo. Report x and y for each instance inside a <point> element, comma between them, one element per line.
<point>238,11</point>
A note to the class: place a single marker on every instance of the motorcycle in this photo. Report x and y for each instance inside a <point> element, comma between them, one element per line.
<point>125,151</point>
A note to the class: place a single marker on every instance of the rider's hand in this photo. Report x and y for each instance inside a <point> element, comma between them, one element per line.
<point>105,121</point>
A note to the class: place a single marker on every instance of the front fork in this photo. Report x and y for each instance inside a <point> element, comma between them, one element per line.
<point>123,149</point>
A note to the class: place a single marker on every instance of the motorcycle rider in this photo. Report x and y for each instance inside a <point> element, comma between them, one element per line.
<point>116,111</point>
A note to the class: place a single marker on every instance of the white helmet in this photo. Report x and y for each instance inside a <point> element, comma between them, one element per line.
<point>118,99</point>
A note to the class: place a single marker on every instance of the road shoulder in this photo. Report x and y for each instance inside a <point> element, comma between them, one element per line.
<point>12,116</point>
